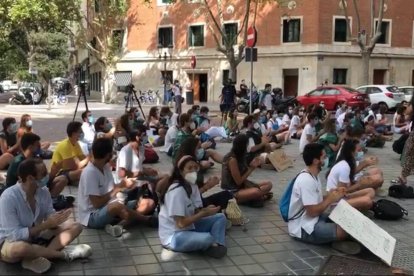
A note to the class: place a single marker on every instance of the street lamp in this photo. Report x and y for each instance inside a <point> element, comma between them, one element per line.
<point>163,55</point>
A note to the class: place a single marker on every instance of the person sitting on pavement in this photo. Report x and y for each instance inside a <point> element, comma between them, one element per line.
<point>103,204</point>
<point>89,132</point>
<point>330,140</point>
<point>30,146</point>
<point>135,118</point>
<point>170,138</point>
<point>342,174</point>
<point>279,134</point>
<point>374,138</point>
<point>9,144</point>
<point>287,117</point>
<point>131,157</point>
<point>184,225</point>
<point>235,172</point>
<point>154,124</point>
<point>26,126</point>
<point>308,210</point>
<point>309,133</point>
<point>104,128</point>
<point>294,127</point>
<point>123,126</point>
<point>204,128</point>
<point>68,158</point>
<point>168,118</point>
<point>400,124</point>
<point>232,125</point>
<point>27,219</point>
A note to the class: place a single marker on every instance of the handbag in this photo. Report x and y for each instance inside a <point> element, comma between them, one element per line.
<point>234,214</point>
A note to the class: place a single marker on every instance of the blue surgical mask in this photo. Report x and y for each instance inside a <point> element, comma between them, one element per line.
<point>91,119</point>
<point>359,156</point>
<point>200,154</point>
<point>12,128</point>
<point>29,123</point>
<point>42,182</point>
<point>108,127</point>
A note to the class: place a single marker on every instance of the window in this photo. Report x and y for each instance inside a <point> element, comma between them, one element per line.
<point>339,76</point>
<point>165,36</point>
<point>385,37</point>
<point>196,36</point>
<point>230,29</point>
<point>291,30</point>
<point>331,92</point>
<point>316,93</point>
<point>117,37</point>
<point>341,30</point>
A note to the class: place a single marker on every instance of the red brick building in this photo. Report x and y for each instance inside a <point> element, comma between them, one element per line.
<point>299,46</point>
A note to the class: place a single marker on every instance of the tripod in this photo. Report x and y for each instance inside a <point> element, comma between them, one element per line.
<point>132,95</point>
<point>82,92</point>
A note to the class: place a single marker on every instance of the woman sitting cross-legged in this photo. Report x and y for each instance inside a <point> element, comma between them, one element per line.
<point>236,171</point>
<point>343,173</point>
<point>184,226</point>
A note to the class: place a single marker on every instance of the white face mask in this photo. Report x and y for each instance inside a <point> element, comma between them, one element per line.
<point>29,123</point>
<point>191,177</point>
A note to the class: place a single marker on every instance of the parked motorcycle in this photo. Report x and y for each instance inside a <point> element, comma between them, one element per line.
<point>282,104</point>
<point>243,103</point>
<point>26,95</point>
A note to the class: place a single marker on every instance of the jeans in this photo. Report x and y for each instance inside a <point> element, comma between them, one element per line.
<point>208,230</point>
<point>178,100</point>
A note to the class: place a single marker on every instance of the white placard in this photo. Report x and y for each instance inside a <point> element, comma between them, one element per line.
<point>373,237</point>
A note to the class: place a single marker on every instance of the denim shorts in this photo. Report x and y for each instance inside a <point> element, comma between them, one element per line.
<point>324,232</point>
<point>101,217</point>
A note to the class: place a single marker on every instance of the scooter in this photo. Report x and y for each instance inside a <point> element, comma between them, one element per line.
<point>26,95</point>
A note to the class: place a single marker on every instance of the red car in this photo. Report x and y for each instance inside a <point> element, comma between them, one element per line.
<point>332,96</point>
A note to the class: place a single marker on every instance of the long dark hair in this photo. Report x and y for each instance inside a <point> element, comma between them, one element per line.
<point>239,148</point>
<point>98,124</point>
<point>188,147</point>
<point>176,177</point>
<point>347,154</point>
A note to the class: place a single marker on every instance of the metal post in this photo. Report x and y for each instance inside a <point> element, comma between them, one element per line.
<point>251,80</point>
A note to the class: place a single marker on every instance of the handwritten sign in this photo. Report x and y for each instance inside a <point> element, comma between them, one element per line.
<point>373,237</point>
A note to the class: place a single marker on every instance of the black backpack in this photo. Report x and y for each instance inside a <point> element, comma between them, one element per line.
<point>398,145</point>
<point>401,191</point>
<point>388,210</point>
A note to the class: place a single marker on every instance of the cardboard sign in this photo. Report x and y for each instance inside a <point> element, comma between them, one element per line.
<point>280,160</point>
<point>373,237</point>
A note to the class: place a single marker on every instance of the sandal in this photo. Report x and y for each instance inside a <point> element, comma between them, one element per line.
<point>399,181</point>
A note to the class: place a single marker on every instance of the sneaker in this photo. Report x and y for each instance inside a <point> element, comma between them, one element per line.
<point>114,230</point>
<point>63,202</point>
<point>38,265</point>
<point>216,252</point>
<point>78,251</point>
<point>347,247</point>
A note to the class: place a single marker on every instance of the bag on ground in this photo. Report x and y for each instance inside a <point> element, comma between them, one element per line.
<point>233,213</point>
<point>151,156</point>
<point>401,191</point>
<point>388,210</point>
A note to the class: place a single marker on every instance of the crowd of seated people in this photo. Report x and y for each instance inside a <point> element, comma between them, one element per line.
<point>115,187</point>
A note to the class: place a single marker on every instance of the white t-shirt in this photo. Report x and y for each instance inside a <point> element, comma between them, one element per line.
<point>338,112</point>
<point>341,119</point>
<point>308,130</point>
<point>307,190</point>
<point>92,182</point>
<point>176,90</point>
<point>89,131</point>
<point>170,137</point>
<point>128,160</point>
<point>286,119</point>
<point>294,123</point>
<point>339,173</point>
<point>173,121</point>
<point>196,196</point>
<point>267,101</point>
<point>176,203</point>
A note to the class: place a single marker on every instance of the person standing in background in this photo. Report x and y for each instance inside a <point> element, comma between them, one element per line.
<point>176,88</point>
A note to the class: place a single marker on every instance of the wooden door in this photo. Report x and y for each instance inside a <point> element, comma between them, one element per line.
<point>203,84</point>
<point>196,87</point>
<point>290,86</point>
<point>379,76</point>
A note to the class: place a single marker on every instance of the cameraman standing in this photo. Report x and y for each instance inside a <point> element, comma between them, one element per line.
<point>228,98</point>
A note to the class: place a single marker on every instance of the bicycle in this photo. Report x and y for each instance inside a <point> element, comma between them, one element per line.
<point>57,97</point>
<point>147,96</point>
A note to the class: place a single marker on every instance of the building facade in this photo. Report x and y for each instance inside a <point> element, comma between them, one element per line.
<point>299,46</point>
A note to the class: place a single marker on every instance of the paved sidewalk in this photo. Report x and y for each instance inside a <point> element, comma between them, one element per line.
<point>262,247</point>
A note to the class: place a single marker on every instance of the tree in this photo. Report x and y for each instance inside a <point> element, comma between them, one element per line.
<point>228,43</point>
<point>100,31</point>
<point>366,45</point>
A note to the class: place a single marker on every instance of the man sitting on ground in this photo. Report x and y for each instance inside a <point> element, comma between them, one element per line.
<point>68,158</point>
<point>101,202</point>
<point>89,132</point>
<point>28,218</point>
<point>308,221</point>
<point>205,130</point>
<point>30,146</point>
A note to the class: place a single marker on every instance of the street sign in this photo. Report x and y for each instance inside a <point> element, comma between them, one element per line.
<point>193,62</point>
<point>251,55</point>
<point>33,71</point>
<point>251,37</point>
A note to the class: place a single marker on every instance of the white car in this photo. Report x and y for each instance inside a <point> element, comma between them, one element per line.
<point>384,95</point>
<point>408,91</point>
<point>9,85</point>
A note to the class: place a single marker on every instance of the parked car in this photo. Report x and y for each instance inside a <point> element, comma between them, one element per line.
<point>408,92</point>
<point>9,85</point>
<point>384,95</point>
<point>332,96</point>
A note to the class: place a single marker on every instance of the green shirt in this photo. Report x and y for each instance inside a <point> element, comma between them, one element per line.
<point>12,178</point>
<point>181,136</point>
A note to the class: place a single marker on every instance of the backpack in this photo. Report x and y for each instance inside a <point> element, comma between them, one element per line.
<point>401,191</point>
<point>398,145</point>
<point>284,202</point>
<point>151,156</point>
<point>388,210</point>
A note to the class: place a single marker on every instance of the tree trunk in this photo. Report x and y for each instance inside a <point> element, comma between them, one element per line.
<point>365,56</point>
<point>108,93</point>
<point>233,71</point>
